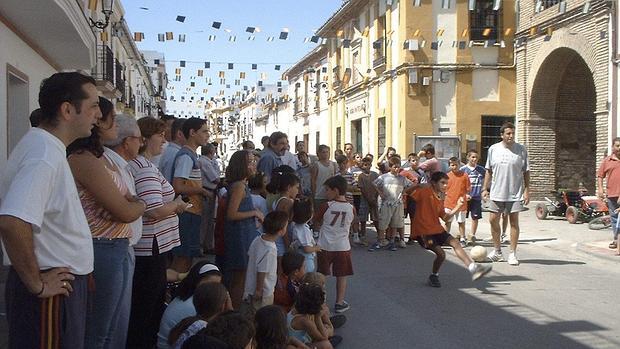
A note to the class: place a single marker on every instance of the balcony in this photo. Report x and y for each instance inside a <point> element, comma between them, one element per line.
<point>104,72</point>
<point>379,60</point>
<point>58,29</point>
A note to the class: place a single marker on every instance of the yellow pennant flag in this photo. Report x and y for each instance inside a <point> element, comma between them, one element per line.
<point>137,36</point>
<point>508,32</point>
<point>169,36</point>
<point>464,33</point>
<point>200,72</point>
<point>92,5</point>
<point>486,32</point>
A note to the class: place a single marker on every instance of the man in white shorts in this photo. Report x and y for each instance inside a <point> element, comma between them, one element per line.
<point>508,178</point>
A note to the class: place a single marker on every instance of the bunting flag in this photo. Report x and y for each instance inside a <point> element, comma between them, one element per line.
<point>211,37</point>
<point>181,37</point>
<point>104,36</point>
<point>207,65</point>
<point>254,66</point>
<point>231,66</point>
<point>315,39</point>
<point>232,38</point>
<point>181,19</point>
<point>217,25</point>
<point>138,36</point>
<point>92,5</point>
<point>270,39</point>
<point>222,74</point>
<point>200,72</point>
<point>486,32</point>
<point>277,67</point>
<point>169,36</point>
<point>242,75</point>
<point>508,32</point>
<point>440,32</point>
<point>177,71</point>
<point>465,33</point>
<point>156,61</point>
<point>251,38</point>
<point>182,64</point>
<point>250,30</point>
<point>161,37</point>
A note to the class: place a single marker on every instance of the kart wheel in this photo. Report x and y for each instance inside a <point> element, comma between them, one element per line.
<point>542,211</point>
<point>572,214</point>
<point>599,223</point>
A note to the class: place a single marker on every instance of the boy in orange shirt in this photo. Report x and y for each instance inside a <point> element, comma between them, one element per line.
<point>458,187</point>
<point>431,234</point>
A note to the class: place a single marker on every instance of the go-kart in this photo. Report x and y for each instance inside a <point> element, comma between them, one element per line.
<point>573,205</point>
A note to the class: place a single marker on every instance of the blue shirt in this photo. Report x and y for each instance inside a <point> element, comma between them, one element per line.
<point>176,311</point>
<point>476,178</point>
<point>268,161</point>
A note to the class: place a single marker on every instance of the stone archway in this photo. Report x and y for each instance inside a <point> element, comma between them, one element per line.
<point>562,117</point>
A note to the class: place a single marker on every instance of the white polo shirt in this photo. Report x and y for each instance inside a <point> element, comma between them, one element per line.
<point>37,186</point>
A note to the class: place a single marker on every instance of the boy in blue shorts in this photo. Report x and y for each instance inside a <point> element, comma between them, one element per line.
<point>476,179</point>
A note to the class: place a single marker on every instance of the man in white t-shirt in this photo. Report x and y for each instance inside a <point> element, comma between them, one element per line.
<point>44,231</point>
<point>507,185</point>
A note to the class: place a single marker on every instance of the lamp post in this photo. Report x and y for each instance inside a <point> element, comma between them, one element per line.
<point>106,9</point>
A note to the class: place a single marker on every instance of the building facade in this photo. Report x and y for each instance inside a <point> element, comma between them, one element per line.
<point>400,70</point>
<point>36,44</point>
<point>307,113</point>
<point>565,97</point>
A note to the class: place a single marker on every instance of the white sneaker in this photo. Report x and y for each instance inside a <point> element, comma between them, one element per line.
<point>512,259</point>
<point>479,271</point>
<point>495,256</point>
<point>402,244</point>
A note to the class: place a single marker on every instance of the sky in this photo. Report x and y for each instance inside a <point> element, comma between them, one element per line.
<point>300,17</point>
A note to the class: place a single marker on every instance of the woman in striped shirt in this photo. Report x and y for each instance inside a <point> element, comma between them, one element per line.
<point>160,233</point>
<point>109,208</point>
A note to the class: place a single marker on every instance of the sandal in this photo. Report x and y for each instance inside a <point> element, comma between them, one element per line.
<point>613,245</point>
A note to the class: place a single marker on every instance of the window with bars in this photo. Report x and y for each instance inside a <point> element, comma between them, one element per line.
<point>380,135</point>
<point>484,21</point>
<point>338,137</point>
<point>490,133</point>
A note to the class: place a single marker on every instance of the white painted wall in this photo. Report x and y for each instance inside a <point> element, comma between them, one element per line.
<point>18,54</point>
<point>444,93</point>
<point>485,82</point>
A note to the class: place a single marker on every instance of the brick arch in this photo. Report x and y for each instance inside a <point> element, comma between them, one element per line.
<point>562,119</point>
<point>565,38</point>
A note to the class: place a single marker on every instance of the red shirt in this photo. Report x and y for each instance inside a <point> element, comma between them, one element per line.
<point>610,168</point>
<point>458,186</point>
<point>428,210</point>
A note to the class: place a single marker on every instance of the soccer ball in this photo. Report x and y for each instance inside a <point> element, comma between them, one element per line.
<point>478,253</point>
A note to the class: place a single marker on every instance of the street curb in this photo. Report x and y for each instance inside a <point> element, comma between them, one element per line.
<point>581,247</point>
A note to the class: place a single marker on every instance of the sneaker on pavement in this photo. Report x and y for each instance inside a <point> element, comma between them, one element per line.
<point>402,244</point>
<point>374,247</point>
<point>356,240</point>
<point>480,271</point>
<point>504,238</point>
<point>512,259</point>
<point>433,281</point>
<point>338,320</point>
<point>495,256</point>
<point>463,242</point>
<point>335,340</point>
<point>391,246</point>
<point>384,242</point>
<point>341,308</point>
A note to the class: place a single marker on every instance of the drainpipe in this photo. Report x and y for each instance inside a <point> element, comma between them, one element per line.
<point>613,26</point>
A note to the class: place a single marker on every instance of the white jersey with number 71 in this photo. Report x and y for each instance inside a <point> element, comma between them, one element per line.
<point>337,218</point>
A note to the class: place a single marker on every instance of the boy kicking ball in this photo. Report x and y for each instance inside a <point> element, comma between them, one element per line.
<point>432,235</point>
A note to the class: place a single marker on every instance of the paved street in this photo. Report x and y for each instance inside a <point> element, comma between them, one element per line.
<point>561,296</point>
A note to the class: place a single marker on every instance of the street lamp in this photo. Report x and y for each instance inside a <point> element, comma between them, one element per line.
<point>107,12</point>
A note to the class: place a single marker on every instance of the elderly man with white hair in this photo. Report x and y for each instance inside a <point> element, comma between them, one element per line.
<point>119,152</point>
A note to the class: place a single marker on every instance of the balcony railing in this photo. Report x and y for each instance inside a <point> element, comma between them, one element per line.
<point>105,64</point>
<point>379,54</point>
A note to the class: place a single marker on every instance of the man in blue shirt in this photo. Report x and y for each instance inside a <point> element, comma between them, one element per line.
<point>270,158</point>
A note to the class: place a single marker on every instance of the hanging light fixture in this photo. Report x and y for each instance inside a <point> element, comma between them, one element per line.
<point>106,9</point>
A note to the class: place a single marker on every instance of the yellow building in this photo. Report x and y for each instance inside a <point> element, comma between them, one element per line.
<point>405,69</point>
